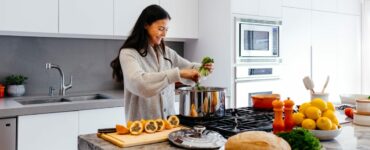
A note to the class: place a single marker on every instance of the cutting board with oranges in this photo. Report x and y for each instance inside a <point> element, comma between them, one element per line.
<point>129,140</point>
<point>142,132</point>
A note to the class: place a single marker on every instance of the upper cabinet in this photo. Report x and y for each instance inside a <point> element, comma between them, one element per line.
<point>342,6</point>
<point>268,8</point>
<point>29,15</point>
<point>297,3</point>
<point>126,12</point>
<point>93,17</point>
<point>184,18</point>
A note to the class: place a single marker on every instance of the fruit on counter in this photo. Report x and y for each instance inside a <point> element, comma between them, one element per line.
<point>174,121</point>
<point>303,107</point>
<point>300,138</point>
<point>122,129</point>
<point>136,128</point>
<point>331,115</point>
<point>129,123</point>
<point>298,118</point>
<point>167,125</point>
<point>313,112</point>
<point>150,126</point>
<point>331,106</point>
<point>160,124</point>
<point>349,112</point>
<point>309,124</point>
<point>320,104</point>
<point>324,123</point>
<point>311,116</point>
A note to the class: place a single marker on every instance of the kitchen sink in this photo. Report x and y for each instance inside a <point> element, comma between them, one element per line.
<point>87,97</point>
<point>42,100</point>
<point>61,99</point>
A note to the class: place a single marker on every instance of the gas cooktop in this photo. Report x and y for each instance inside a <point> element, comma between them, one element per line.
<point>235,121</point>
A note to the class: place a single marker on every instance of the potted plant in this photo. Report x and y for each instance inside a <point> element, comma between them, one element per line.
<point>15,85</point>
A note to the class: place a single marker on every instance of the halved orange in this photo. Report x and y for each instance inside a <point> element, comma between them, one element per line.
<point>174,121</point>
<point>160,124</point>
<point>167,125</point>
<point>150,126</point>
<point>136,128</point>
<point>121,129</point>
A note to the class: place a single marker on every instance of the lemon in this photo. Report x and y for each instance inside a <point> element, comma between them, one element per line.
<point>324,123</point>
<point>303,107</point>
<point>319,103</point>
<point>330,106</point>
<point>334,127</point>
<point>298,118</point>
<point>331,115</point>
<point>313,112</point>
<point>309,124</point>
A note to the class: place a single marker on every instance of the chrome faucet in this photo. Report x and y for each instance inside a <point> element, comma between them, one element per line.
<point>63,87</point>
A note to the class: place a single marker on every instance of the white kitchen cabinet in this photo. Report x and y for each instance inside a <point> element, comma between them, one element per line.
<point>90,121</point>
<point>349,6</point>
<point>348,55</point>
<point>184,18</point>
<point>297,3</point>
<point>29,15</point>
<point>92,17</point>
<point>324,5</point>
<point>126,12</point>
<point>295,51</point>
<point>267,8</point>
<point>57,131</point>
<point>325,50</point>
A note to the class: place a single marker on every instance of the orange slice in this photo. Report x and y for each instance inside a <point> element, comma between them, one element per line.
<point>121,129</point>
<point>160,124</point>
<point>174,121</point>
<point>150,126</point>
<point>136,128</point>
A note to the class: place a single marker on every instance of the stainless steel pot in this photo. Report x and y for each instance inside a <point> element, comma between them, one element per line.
<point>204,102</point>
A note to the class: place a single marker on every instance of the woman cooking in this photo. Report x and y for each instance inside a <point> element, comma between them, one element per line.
<point>149,69</point>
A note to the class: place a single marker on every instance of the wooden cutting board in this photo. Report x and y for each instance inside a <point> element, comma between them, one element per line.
<point>129,140</point>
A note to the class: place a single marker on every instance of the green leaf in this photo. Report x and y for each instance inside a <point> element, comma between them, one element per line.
<point>301,139</point>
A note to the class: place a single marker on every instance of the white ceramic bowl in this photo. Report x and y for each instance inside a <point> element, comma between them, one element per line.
<point>326,134</point>
<point>351,98</point>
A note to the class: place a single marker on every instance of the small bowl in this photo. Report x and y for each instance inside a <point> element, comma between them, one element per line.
<point>326,134</point>
<point>351,98</point>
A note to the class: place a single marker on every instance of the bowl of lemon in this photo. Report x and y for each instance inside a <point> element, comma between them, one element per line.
<point>319,117</point>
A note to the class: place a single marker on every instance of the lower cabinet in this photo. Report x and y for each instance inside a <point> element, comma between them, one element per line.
<point>59,131</point>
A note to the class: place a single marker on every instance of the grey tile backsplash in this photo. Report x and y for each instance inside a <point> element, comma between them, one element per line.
<point>87,60</point>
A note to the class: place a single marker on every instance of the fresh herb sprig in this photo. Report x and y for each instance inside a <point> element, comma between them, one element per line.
<point>204,71</point>
<point>301,139</point>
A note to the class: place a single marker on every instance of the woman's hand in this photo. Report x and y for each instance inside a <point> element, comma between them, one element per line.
<point>209,67</point>
<point>191,74</point>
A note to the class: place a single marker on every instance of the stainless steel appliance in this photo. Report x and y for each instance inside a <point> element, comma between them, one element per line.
<point>257,38</point>
<point>203,102</point>
<point>8,132</point>
<point>245,72</point>
<point>234,121</point>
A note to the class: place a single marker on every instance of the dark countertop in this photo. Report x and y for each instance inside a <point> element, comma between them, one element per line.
<point>9,107</point>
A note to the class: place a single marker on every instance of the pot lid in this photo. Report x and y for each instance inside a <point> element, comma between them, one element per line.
<point>197,138</point>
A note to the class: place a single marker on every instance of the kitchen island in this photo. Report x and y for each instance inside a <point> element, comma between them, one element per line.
<point>352,137</point>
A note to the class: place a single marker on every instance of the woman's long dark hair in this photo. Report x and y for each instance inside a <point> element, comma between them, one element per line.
<point>138,39</point>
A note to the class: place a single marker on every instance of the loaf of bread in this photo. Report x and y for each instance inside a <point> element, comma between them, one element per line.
<point>256,140</point>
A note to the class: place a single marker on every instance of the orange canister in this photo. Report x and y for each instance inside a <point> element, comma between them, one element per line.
<point>2,89</point>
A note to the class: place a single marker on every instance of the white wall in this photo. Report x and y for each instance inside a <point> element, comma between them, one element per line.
<point>366,47</point>
<point>214,40</point>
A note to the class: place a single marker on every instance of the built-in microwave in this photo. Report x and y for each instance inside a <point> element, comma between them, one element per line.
<point>257,38</point>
